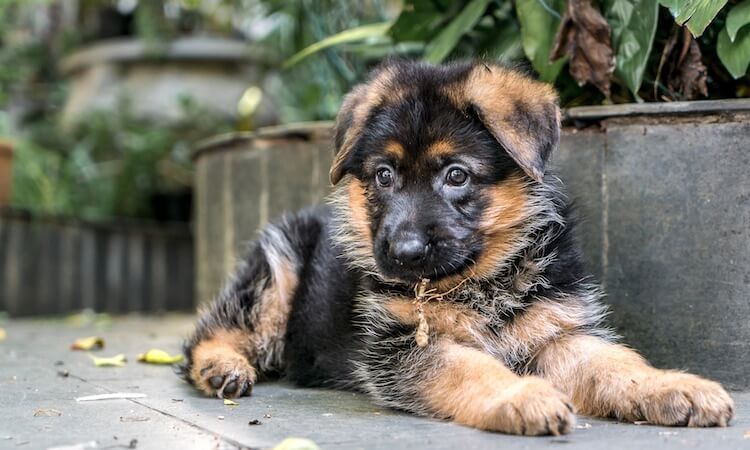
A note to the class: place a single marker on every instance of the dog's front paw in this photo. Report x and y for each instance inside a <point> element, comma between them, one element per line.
<point>225,375</point>
<point>532,407</point>
<point>680,399</point>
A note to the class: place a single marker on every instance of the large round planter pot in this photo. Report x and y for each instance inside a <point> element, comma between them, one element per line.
<point>213,72</point>
<point>662,189</point>
<point>243,180</point>
<point>6,172</point>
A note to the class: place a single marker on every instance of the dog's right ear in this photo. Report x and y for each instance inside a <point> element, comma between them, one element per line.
<point>347,130</point>
<point>356,109</point>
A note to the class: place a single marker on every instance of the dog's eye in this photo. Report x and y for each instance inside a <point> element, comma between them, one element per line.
<point>384,177</point>
<point>457,177</point>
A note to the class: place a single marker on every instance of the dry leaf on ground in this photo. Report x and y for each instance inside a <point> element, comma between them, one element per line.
<point>113,361</point>
<point>88,343</point>
<point>3,334</point>
<point>156,356</point>
<point>584,36</point>
<point>47,412</point>
<point>293,443</point>
<point>230,402</point>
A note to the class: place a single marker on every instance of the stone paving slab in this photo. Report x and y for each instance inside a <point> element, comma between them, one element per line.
<point>173,415</point>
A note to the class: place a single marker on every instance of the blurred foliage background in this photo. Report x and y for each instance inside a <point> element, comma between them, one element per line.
<point>115,164</point>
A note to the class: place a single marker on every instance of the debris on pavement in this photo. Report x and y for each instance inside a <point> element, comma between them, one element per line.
<point>63,373</point>
<point>746,435</point>
<point>293,443</point>
<point>81,446</point>
<point>3,334</point>
<point>229,402</point>
<point>266,416</point>
<point>583,426</point>
<point>88,344</point>
<point>47,412</point>
<point>255,422</point>
<point>113,361</point>
<point>134,419</point>
<point>220,417</point>
<point>157,356</point>
<point>113,396</point>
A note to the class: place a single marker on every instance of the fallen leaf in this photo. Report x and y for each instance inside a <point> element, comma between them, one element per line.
<point>3,334</point>
<point>47,412</point>
<point>685,72</point>
<point>63,373</point>
<point>113,361</point>
<point>113,396</point>
<point>640,422</point>
<point>584,36</point>
<point>230,402</point>
<point>255,422</point>
<point>156,356</point>
<point>293,443</point>
<point>88,343</point>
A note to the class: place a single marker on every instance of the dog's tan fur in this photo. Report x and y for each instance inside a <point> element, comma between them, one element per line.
<point>475,389</point>
<point>609,380</point>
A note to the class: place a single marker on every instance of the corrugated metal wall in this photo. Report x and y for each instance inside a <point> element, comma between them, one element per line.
<point>50,266</point>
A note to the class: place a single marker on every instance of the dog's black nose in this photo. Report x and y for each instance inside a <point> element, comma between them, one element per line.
<point>410,249</point>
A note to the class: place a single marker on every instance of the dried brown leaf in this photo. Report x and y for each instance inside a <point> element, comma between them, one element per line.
<point>584,36</point>
<point>686,74</point>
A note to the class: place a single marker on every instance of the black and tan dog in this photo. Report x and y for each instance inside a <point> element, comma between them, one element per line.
<point>443,279</point>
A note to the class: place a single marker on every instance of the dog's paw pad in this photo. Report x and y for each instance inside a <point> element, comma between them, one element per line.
<point>227,377</point>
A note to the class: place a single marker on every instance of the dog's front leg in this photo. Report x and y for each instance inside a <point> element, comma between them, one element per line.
<point>454,381</point>
<point>610,380</point>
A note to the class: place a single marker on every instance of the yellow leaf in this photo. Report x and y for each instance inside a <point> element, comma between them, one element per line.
<point>156,356</point>
<point>230,402</point>
<point>114,361</point>
<point>293,443</point>
<point>88,343</point>
<point>3,335</point>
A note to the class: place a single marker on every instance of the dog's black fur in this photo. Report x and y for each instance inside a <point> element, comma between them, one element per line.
<point>431,162</point>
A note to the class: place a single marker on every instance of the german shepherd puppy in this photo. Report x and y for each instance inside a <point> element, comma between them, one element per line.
<point>443,278</point>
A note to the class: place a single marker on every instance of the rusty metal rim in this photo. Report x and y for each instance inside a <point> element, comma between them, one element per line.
<point>597,113</point>
<point>312,130</point>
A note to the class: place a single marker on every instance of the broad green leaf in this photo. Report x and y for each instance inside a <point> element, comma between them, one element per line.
<point>419,20</point>
<point>504,44</point>
<point>633,24</point>
<point>538,28</point>
<point>734,55</point>
<point>695,14</point>
<point>440,47</point>
<point>738,17</point>
<point>351,35</point>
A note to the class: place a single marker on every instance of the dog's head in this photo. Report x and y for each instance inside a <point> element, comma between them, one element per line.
<point>439,161</point>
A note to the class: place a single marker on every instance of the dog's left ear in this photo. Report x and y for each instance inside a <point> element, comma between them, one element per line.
<point>522,114</point>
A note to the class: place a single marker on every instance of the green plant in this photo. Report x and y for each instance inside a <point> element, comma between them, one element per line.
<point>609,43</point>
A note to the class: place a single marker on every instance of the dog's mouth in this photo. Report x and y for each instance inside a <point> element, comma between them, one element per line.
<point>435,268</point>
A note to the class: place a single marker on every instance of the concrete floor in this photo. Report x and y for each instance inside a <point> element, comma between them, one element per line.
<point>173,415</point>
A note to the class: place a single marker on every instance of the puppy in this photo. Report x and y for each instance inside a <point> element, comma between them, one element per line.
<point>443,278</point>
